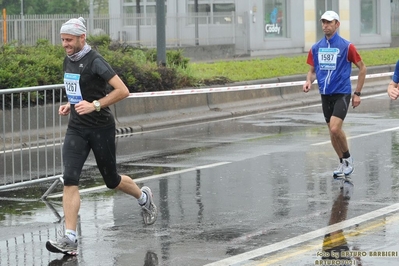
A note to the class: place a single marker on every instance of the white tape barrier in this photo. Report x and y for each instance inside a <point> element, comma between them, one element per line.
<point>237,88</point>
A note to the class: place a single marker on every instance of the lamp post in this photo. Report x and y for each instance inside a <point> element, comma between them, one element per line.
<point>22,23</point>
<point>196,22</point>
<point>138,14</point>
<point>161,35</point>
<point>91,19</point>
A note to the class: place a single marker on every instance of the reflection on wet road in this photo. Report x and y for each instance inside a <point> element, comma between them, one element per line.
<point>229,189</point>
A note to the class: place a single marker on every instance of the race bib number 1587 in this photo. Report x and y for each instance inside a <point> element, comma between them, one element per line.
<point>328,58</point>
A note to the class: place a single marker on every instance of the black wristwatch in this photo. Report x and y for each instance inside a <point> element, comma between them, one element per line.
<point>358,93</point>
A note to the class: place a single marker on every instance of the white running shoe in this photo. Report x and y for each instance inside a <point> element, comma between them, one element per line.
<point>63,245</point>
<point>348,166</point>
<point>339,172</point>
<point>150,211</point>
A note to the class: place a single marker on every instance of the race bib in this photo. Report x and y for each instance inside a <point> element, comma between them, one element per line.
<point>328,58</point>
<point>72,88</point>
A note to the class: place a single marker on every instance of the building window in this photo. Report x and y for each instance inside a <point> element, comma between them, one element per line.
<point>275,18</point>
<point>368,15</point>
<point>211,11</point>
<point>146,16</point>
<point>222,13</point>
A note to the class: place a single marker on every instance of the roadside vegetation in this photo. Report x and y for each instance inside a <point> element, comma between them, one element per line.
<point>244,70</point>
<point>23,66</point>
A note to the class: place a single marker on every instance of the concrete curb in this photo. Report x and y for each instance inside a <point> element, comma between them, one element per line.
<point>144,114</point>
<point>148,113</point>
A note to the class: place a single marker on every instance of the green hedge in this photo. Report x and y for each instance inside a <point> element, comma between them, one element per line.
<point>26,66</point>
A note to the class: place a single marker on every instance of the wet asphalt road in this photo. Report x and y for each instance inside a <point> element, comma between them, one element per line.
<point>255,190</point>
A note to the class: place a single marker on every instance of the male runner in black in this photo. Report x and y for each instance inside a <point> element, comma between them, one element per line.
<point>91,127</point>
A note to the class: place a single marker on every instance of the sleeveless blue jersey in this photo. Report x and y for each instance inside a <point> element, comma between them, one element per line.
<point>332,66</point>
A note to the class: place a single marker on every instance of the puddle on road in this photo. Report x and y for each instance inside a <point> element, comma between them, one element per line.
<point>25,201</point>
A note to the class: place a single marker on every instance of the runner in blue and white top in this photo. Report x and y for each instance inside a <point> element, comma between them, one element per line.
<point>330,61</point>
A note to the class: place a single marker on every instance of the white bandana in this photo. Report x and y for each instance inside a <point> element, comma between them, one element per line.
<point>74,26</point>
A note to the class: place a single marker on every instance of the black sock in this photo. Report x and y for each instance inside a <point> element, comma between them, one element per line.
<point>346,155</point>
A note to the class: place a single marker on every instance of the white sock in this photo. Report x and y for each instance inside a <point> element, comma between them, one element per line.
<point>71,234</point>
<point>143,199</point>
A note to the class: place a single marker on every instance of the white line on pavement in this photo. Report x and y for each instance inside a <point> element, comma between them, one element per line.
<point>360,136</point>
<point>138,180</point>
<point>245,257</point>
<point>363,135</point>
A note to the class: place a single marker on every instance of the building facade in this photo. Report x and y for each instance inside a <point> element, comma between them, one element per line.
<point>253,27</point>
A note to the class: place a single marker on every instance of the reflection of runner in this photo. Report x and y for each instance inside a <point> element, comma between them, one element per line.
<point>151,259</point>
<point>334,243</point>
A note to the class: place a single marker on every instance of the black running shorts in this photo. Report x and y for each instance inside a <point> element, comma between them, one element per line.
<point>77,145</point>
<point>335,105</point>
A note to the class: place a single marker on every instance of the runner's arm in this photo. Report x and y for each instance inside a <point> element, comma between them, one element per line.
<point>311,76</point>
<point>393,91</point>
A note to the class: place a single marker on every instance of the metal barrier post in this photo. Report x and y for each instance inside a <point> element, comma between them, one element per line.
<point>52,187</point>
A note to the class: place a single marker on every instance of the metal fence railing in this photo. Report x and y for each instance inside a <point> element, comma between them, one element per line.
<point>31,138</point>
<point>181,30</point>
<point>217,28</point>
<point>32,131</point>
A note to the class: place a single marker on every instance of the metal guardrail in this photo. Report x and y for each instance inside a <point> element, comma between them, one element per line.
<point>33,132</point>
<point>31,135</point>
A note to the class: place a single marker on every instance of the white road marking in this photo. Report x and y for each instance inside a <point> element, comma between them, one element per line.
<point>245,257</point>
<point>142,179</point>
<point>360,136</point>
